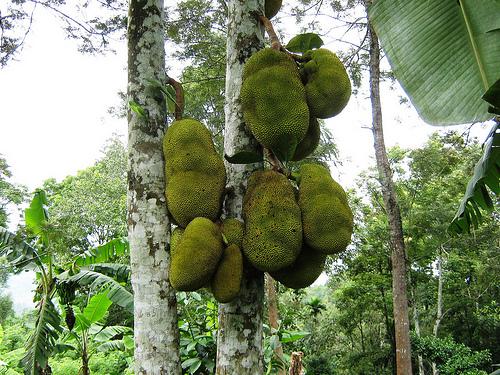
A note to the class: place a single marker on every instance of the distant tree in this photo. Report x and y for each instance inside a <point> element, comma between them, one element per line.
<point>10,192</point>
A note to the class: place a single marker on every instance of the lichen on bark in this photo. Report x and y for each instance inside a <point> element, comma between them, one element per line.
<point>156,332</point>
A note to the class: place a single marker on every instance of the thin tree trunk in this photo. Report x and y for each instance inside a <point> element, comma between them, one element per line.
<point>439,312</point>
<point>272,307</point>
<point>85,361</point>
<point>416,319</point>
<point>239,339</point>
<point>400,300</point>
<point>156,332</point>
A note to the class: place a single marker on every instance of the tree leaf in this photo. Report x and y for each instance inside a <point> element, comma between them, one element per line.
<point>304,42</point>
<point>290,336</point>
<point>36,215</point>
<point>445,54</point>
<point>104,253</point>
<point>486,175</point>
<point>43,338</point>
<point>97,281</point>
<point>137,108</point>
<point>244,157</point>
<point>109,332</point>
<point>18,253</point>
<point>97,307</point>
<point>111,346</point>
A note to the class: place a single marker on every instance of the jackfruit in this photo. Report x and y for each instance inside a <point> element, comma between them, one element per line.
<point>304,271</point>
<point>175,239</point>
<point>227,279</point>
<point>273,101</point>
<point>233,229</point>
<point>272,7</point>
<point>327,84</point>
<point>195,173</point>
<point>273,227</point>
<point>327,220</point>
<point>307,146</point>
<point>195,259</point>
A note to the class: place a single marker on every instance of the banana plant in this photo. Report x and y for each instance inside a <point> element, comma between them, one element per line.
<point>35,252</point>
<point>89,336</point>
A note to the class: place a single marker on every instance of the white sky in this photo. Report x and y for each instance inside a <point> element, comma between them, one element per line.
<point>54,121</point>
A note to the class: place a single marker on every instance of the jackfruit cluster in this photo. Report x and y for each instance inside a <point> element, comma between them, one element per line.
<point>273,225</point>
<point>327,84</point>
<point>273,101</point>
<point>195,173</point>
<point>327,219</point>
<point>196,255</point>
<point>199,258</point>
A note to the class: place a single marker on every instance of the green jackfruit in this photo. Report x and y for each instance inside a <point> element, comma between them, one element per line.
<point>274,102</point>
<point>327,220</point>
<point>195,259</point>
<point>273,227</point>
<point>307,146</point>
<point>226,282</point>
<point>195,173</point>
<point>175,239</point>
<point>304,271</point>
<point>272,7</point>
<point>233,229</point>
<point>328,87</point>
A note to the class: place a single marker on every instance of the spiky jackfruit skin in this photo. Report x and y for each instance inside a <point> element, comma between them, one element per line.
<point>327,84</point>
<point>304,271</point>
<point>327,220</point>
<point>274,102</point>
<point>272,7</point>
<point>273,227</point>
<point>195,173</point>
<point>175,239</point>
<point>307,146</point>
<point>233,230</point>
<point>226,282</point>
<point>195,259</point>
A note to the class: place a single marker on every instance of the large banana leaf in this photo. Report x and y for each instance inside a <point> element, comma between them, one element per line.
<point>104,253</point>
<point>42,341</point>
<point>97,307</point>
<point>477,196</point>
<point>97,281</point>
<point>36,216</point>
<point>20,254</point>
<point>445,54</point>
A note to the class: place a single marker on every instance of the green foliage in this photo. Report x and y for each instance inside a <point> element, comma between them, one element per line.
<point>451,358</point>
<point>270,243</point>
<point>442,34</point>
<point>326,216</point>
<point>477,197</point>
<point>304,42</point>
<point>276,114</point>
<point>195,261</point>
<point>195,173</point>
<point>10,193</point>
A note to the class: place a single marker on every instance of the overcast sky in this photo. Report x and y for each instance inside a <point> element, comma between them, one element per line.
<point>54,121</point>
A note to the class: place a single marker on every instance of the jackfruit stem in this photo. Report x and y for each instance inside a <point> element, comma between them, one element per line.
<point>276,164</point>
<point>179,97</point>
<point>275,42</point>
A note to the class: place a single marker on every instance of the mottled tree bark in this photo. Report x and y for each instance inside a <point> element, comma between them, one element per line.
<point>400,300</point>
<point>239,339</point>
<point>156,333</point>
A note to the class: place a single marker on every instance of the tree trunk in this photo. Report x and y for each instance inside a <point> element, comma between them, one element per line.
<point>400,300</point>
<point>272,307</point>
<point>416,318</point>
<point>85,361</point>
<point>296,364</point>
<point>439,312</point>
<point>239,339</point>
<point>156,333</point>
